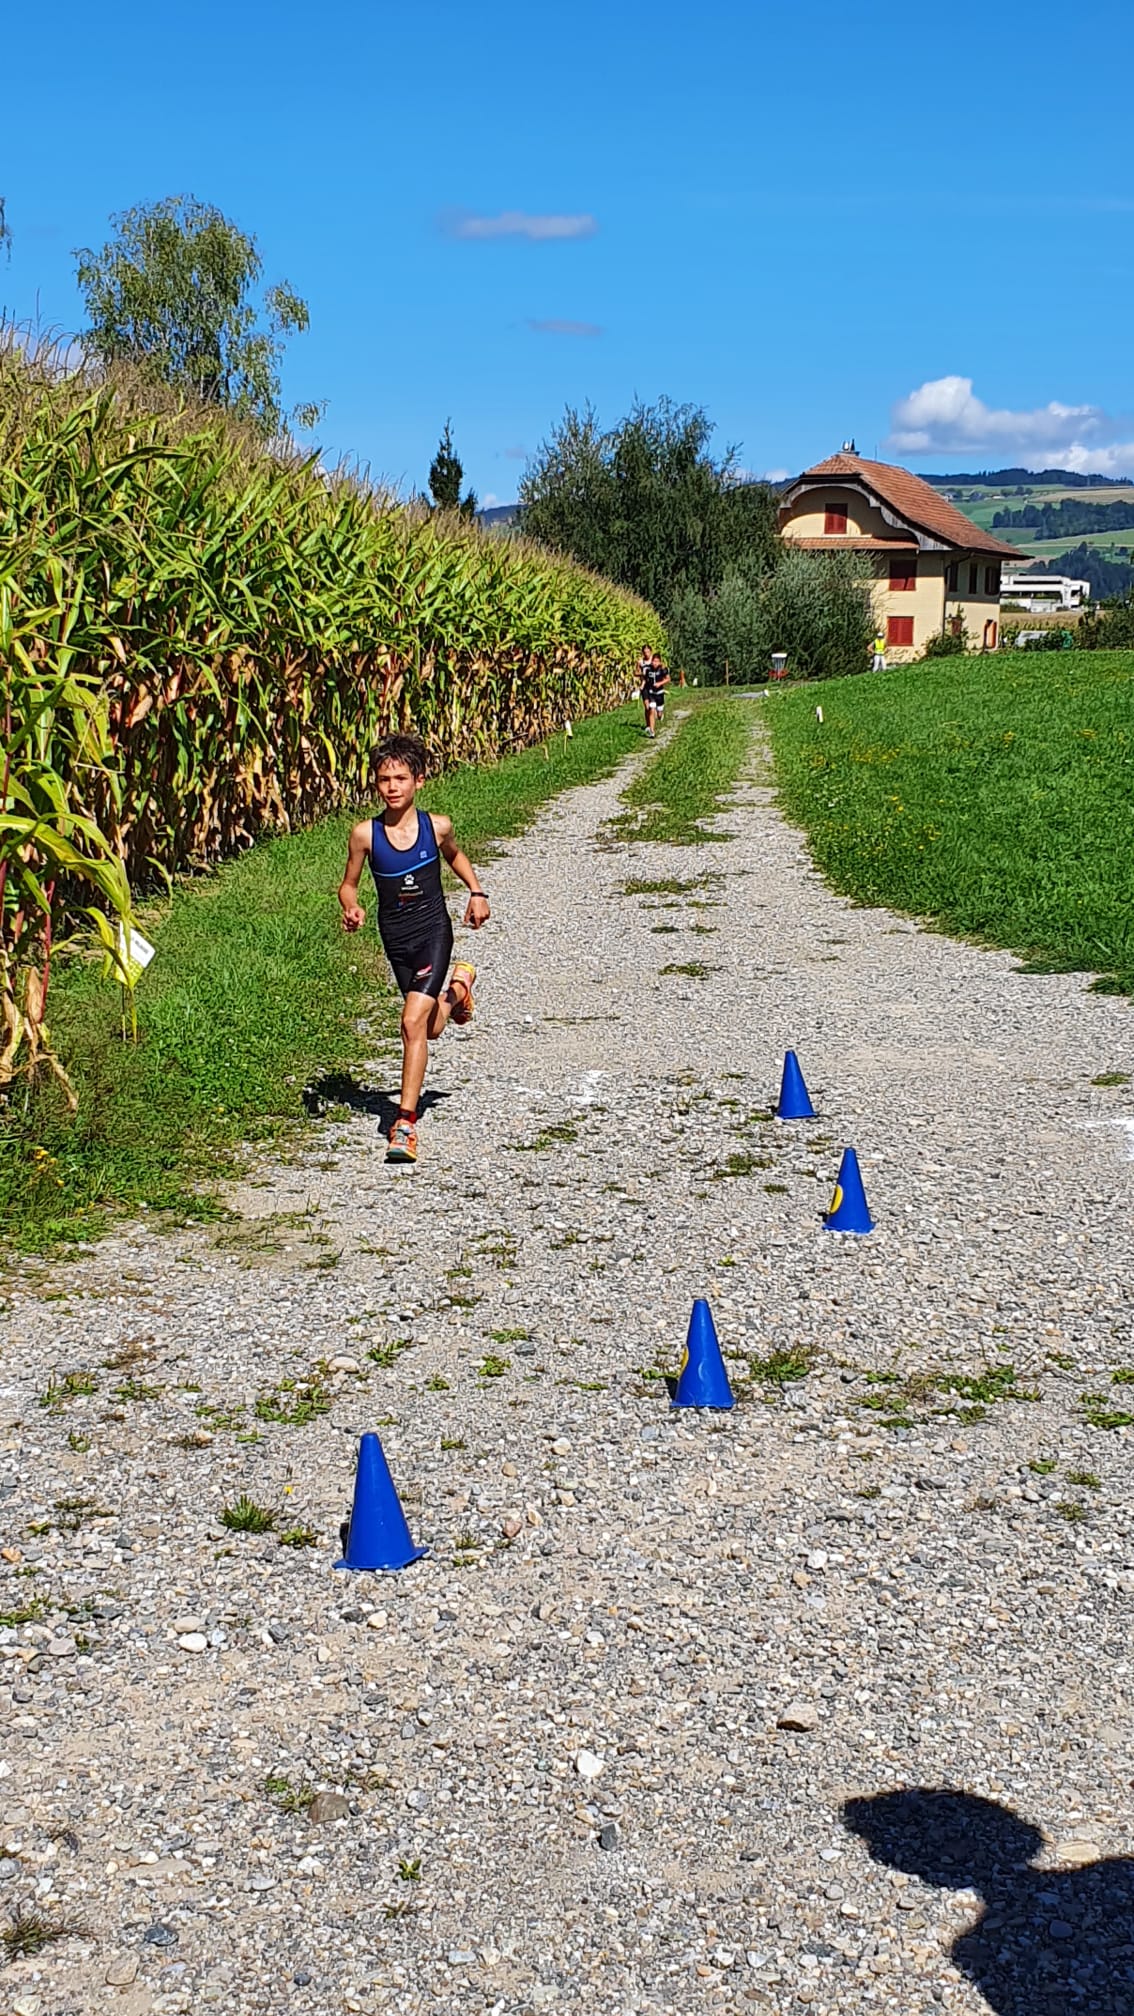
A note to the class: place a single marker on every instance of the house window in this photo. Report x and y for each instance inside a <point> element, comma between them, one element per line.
<point>835,519</point>
<point>974,577</point>
<point>992,580</point>
<point>951,577</point>
<point>903,573</point>
<point>899,629</point>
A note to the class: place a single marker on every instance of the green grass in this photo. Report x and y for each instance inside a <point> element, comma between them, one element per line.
<point>295,1403</point>
<point>989,795</point>
<point>253,996</point>
<point>683,785</point>
<point>780,1368</point>
<point>29,1930</point>
<point>246,1516</point>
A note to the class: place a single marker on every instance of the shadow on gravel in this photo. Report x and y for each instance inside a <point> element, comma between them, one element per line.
<point>339,1088</point>
<point>1048,1942</point>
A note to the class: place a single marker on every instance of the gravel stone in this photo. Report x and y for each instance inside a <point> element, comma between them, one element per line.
<point>798,1715</point>
<point>328,1806</point>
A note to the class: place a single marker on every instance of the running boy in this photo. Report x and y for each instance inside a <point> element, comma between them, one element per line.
<point>657,679</point>
<point>644,682</point>
<point>404,848</point>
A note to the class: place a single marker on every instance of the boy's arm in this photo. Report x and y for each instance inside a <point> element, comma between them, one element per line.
<point>477,911</point>
<point>354,916</point>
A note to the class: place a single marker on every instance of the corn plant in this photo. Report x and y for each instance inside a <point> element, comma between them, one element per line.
<point>201,643</point>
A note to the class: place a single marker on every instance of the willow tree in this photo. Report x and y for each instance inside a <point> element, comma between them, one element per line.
<point>177,292</point>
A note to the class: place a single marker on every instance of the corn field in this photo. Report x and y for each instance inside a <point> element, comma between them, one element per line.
<point>200,643</point>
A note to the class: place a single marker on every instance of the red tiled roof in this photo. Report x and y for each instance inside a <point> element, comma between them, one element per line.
<point>914,500</point>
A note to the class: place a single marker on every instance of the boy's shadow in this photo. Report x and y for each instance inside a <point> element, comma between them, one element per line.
<point>1048,1942</point>
<point>340,1088</point>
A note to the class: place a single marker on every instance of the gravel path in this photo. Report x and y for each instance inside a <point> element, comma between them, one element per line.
<point>565,1784</point>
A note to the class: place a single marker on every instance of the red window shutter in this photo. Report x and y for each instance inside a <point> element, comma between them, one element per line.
<point>903,572</point>
<point>899,630</point>
<point>974,577</point>
<point>835,520</point>
<point>992,580</point>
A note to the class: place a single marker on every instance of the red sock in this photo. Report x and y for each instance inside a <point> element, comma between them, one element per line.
<point>405,1114</point>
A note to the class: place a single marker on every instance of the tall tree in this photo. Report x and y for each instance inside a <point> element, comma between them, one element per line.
<point>446,472</point>
<point>646,503</point>
<point>176,291</point>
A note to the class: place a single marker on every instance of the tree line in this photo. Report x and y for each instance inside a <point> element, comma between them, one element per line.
<point>1085,563</point>
<point>1029,479</point>
<point>646,503</point>
<point>1069,519</point>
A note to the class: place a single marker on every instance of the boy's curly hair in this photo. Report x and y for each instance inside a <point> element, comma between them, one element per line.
<point>407,749</point>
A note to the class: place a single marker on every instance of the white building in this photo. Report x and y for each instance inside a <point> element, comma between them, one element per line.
<point>1044,591</point>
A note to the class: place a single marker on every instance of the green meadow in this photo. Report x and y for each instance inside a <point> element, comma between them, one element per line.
<point>993,796</point>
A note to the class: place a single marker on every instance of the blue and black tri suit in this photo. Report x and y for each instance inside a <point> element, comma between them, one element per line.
<point>413,919</point>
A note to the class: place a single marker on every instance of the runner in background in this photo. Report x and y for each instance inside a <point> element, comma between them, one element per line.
<point>644,687</point>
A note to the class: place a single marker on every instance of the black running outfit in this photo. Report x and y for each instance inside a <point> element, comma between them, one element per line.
<point>413,918</point>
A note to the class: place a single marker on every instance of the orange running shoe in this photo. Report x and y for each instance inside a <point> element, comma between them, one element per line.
<point>403,1142</point>
<point>466,1009</point>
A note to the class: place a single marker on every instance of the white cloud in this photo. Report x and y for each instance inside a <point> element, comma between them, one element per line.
<point>557,327</point>
<point>517,224</point>
<point>944,416</point>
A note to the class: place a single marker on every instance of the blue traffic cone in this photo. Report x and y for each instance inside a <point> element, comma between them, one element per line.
<point>702,1381</point>
<point>377,1536</point>
<point>795,1103</point>
<point>848,1212</point>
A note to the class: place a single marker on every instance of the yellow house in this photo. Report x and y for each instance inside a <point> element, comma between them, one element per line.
<point>935,569</point>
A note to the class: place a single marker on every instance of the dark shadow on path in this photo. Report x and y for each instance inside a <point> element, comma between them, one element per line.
<point>1048,1942</point>
<point>341,1088</point>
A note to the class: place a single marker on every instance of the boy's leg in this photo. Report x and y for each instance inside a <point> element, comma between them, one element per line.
<point>453,997</point>
<point>417,1010</point>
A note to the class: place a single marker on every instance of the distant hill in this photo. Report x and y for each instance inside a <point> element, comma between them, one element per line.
<point>499,514</point>
<point>1032,479</point>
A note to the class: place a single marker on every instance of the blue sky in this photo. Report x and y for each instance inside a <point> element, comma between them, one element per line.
<point>912,226</point>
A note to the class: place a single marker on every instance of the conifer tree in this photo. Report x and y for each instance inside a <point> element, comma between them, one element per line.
<point>445,474</point>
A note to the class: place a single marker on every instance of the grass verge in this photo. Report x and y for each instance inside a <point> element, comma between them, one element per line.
<point>254,994</point>
<point>685,782</point>
<point>992,795</point>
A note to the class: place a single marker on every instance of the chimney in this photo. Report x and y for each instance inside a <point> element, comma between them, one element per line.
<point>849,448</point>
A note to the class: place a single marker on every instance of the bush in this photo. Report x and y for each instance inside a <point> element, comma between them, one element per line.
<point>819,608</point>
<point>1108,628</point>
<point>947,644</point>
<point>816,607</point>
<point>1050,640</point>
<point>736,630</point>
<point>688,631</point>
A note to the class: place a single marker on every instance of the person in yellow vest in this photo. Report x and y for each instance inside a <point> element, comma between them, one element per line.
<point>878,662</point>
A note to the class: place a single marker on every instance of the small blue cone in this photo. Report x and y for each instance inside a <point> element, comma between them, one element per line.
<point>377,1536</point>
<point>795,1103</point>
<point>702,1381</point>
<point>848,1212</point>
